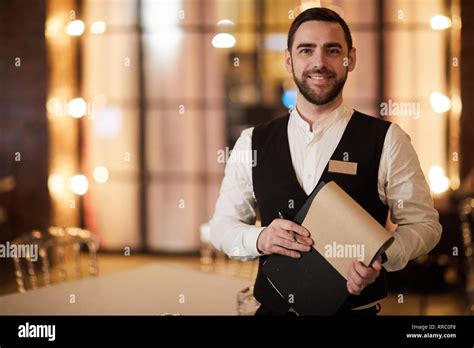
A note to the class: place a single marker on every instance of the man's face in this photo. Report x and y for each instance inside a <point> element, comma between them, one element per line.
<point>317,61</point>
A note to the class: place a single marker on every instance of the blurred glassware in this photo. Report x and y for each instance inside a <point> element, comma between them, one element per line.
<point>246,302</point>
<point>207,252</point>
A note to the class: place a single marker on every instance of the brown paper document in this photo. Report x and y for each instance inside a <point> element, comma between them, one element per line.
<point>342,230</point>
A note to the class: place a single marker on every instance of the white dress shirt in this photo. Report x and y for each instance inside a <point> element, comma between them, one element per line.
<point>401,185</point>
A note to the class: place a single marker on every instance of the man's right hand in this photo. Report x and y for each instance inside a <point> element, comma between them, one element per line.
<point>277,238</point>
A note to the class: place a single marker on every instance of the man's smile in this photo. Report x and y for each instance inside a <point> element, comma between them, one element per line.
<point>319,80</point>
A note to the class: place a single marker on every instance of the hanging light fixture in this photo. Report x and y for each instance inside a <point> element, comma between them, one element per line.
<point>440,102</point>
<point>79,184</point>
<point>440,22</point>
<point>75,28</point>
<point>77,107</point>
<point>439,183</point>
<point>224,39</point>
<point>98,27</point>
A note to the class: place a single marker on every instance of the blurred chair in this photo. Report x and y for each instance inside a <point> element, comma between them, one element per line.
<point>246,302</point>
<point>58,246</point>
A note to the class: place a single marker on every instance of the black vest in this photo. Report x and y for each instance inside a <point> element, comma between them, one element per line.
<point>277,189</point>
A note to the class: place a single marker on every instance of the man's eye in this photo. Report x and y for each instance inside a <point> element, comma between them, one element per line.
<point>305,51</point>
<point>333,51</point>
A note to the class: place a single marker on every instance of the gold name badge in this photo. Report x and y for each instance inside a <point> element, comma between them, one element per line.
<point>343,167</point>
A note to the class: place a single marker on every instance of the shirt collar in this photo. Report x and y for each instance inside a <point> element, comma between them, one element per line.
<point>322,124</point>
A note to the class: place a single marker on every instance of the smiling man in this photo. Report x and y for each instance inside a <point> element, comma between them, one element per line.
<point>293,155</point>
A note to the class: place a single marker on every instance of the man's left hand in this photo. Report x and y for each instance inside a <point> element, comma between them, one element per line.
<point>360,276</point>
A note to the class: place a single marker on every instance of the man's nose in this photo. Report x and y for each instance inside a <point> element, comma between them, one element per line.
<point>318,58</point>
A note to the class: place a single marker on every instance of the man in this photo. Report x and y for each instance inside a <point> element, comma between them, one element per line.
<point>291,155</point>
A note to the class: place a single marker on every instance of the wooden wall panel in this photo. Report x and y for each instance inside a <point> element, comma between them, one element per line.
<point>23,122</point>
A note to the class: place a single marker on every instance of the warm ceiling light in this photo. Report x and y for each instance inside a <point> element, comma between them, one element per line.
<point>101,174</point>
<point>223,40</point>
<point>54,106</point>
<point>56,184</point>
<point>440,22</point>
<point>75,28</point>
<point>54,26</point>
<point>79,184</point>
<point>77,107</point>
<point>225,22</point>
<point>98,27</point>
<point>439,102</point>
<point>439,183</point>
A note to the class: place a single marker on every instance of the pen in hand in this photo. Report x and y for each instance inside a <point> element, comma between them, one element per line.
<point>273,239</point>
<point>292,234</point>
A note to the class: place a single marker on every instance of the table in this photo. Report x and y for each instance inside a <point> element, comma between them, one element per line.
<point>159,288</point>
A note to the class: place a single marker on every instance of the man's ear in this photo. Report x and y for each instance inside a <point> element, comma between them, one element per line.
<point>288,62</point>
<point>352,59</point>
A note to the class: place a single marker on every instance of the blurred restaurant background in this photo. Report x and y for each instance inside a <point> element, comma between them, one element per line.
<point>114,115</point>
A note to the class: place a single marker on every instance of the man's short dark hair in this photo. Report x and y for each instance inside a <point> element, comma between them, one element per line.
<point>318,14</point>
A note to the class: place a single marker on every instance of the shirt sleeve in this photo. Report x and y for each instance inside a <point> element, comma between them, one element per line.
<point>403,187</point>
<point>233,229</point>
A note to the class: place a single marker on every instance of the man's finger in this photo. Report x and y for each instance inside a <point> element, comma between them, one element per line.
<point>364,272</point>
<point>377,265</point>
<point>349,288</point>
<point>352,288</point>
<point>291,245</point>
<point>291,226</point>
<point>354,276</point>
<point>289,236</point>
<point>304,240</point>
<point>284,234</point>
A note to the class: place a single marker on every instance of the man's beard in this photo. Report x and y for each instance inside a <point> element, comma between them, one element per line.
<point>336,85</point>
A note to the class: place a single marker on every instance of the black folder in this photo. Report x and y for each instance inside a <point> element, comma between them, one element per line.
<point>310,284</point>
